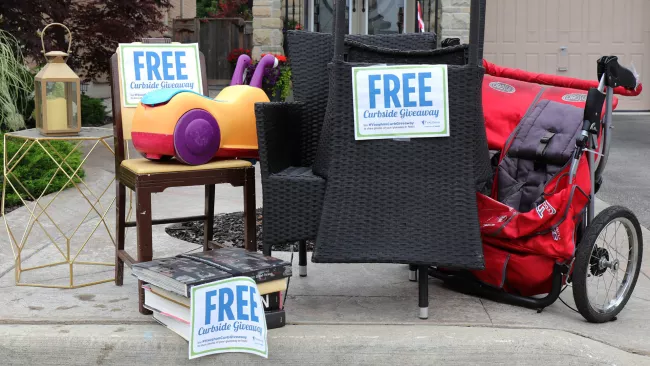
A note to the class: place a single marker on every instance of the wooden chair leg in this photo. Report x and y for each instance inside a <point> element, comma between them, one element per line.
<point>144,230</point>
<point>250,220</point>
<point>120,231</point>
<point>208,224</point>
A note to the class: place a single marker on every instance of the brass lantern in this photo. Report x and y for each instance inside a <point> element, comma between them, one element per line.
<point>57,94</point>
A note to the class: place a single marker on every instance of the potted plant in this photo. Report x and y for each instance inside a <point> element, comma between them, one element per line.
<point>292,24</point>
<point>233,56</point>
<point>277,81</point>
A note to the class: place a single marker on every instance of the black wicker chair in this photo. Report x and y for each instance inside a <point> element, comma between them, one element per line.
<point>289,133</point>
<point>390,50</point>
<point>411,202</point>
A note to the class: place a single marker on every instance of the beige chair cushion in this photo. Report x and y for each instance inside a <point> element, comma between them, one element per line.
<point>144,166</point>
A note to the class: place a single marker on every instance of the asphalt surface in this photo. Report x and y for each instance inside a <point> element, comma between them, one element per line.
<point>627,174</point>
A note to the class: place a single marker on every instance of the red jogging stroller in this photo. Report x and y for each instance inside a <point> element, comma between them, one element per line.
<point>549,140</point>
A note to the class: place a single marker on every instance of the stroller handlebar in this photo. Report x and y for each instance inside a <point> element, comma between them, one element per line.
<point>615,74</point>
<point>621,78</point>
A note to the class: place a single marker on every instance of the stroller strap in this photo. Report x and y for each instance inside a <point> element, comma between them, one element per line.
<point>543,143</point>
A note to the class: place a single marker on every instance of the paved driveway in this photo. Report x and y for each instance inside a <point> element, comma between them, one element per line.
<point>627,174</point>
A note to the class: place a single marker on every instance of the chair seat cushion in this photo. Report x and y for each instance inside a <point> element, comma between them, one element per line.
<point>145,166</point>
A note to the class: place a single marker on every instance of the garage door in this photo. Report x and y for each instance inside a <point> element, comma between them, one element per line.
<point>566,37</point>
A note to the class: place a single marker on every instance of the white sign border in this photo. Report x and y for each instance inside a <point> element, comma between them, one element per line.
<point>359,137</point>
<point>193,355</point>
<point>121,48</point>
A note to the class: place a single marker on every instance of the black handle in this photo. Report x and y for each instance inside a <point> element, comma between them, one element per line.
<point>363,6</point>
<point>354,6</point>
<point>615,74</point>
<point>592,117</point>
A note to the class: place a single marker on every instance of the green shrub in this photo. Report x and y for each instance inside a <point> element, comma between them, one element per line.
<point>93,111</point>
<point>36,169</point>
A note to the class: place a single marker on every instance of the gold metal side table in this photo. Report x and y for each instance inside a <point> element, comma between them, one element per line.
<point>57,240</point>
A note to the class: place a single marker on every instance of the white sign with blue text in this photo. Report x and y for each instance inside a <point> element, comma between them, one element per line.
<point>400,102</point>
<point>147,67</point>
<point>227,316</point>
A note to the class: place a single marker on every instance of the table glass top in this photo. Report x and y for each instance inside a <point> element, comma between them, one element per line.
<point>86,133</point>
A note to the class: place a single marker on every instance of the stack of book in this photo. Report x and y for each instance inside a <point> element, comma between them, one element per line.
<point>168,283</point>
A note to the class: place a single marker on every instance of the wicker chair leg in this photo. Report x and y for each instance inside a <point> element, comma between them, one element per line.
<point>423,284</point>
<point>250,216</point>
<point>209,217</point>
<point>413,272</point>
<point>302,258</point>
<point>266,249</point>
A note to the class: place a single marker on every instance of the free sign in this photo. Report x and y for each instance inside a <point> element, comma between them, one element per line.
<point>227,316</point>
<point>147,67</point>
<point>400,101</point>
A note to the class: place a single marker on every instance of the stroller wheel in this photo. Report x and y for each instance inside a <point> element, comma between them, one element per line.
<point>607,264</point>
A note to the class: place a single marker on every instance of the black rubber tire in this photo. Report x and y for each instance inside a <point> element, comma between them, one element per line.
<point>584,250</point>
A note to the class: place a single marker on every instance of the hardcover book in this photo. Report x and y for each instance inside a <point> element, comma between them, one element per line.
<point>180,273</point>
<point>177,274</point>
<point>240,262</point>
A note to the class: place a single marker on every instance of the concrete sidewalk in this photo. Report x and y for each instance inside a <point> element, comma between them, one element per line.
<point>339,314</point>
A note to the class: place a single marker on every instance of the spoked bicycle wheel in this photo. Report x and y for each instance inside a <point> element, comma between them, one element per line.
<point>607,264</point>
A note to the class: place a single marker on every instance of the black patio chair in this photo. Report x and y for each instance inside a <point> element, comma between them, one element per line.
<point>410,202</point>
<point>289,133</point>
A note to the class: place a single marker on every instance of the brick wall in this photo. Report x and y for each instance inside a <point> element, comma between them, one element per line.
<point>267,28</point>
<point>188,8</point>
<point>455,20</point>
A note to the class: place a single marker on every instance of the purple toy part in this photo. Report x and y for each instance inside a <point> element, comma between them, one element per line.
<point>242,64</point>
<point>258,76</point>
<point>197,137</point>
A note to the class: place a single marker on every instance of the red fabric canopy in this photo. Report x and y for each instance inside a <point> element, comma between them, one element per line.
<point>509,93</point>
<point>552,80</point>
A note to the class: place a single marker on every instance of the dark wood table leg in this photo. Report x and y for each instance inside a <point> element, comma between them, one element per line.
<point>143,226</point>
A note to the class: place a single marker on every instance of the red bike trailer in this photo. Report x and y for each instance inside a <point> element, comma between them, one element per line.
<point>530,252</point>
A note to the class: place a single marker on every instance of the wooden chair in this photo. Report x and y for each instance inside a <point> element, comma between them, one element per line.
<point>146,177</point>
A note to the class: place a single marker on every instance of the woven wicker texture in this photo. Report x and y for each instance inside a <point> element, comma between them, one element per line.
<point>402,202</point>
<point>454,55</point>
<point>382,52</point>
<point>293,196</point>
<point>309,53</point>
<point>404,41</point>
<point>416,49</point>
<point>289,133</point>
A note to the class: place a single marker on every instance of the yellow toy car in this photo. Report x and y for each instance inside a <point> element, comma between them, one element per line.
<point>194,128</point>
